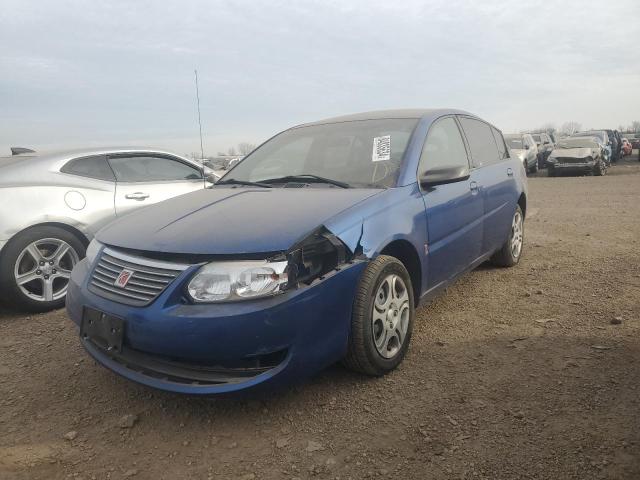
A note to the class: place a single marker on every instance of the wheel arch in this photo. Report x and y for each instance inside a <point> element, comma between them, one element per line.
<point>522,202</point>
<point>64,226</point>
<point>404,251</point>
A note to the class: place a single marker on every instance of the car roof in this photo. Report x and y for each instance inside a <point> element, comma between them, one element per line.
<point>56,159</point>
<point>407,113</point>
<point>83,152</point>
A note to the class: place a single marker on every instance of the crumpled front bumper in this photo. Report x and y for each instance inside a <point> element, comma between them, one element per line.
<point>204,349</point>
<point>572,166</point>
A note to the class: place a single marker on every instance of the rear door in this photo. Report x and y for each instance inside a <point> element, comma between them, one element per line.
<point>495,173</point>
<point>145,179</point>
<point>454,211</point>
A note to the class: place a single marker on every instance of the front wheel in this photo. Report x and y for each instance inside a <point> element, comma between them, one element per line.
<point>382,318</point>
<point>35,267</point>
<point>600,169</point>
<point>511,251</point>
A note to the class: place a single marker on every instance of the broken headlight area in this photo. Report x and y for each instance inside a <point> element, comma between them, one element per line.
<point>318,254</point>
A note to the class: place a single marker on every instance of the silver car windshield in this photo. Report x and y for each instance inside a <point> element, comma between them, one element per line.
<point>365,153</point>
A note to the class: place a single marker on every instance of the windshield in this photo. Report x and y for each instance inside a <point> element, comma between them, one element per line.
<point>596,133</point>
<point>536,138</point>
<point>364,153</point>
<point>515,143</point>
<point>578,142</point>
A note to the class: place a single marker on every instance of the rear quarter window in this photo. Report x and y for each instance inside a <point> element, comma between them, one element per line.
<point>90,167</point>
<point>503,151</point>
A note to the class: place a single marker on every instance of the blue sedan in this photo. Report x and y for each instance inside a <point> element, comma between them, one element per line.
<point>316,248</point>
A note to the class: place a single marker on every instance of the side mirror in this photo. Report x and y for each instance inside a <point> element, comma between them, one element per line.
<point>443,175</point>
<point>212,178</point>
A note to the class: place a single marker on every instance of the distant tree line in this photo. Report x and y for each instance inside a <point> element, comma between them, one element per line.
<point>243,148</point>
<point>569,128</point>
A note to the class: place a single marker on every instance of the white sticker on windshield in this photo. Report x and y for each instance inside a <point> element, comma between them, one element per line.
<point>381,148</point>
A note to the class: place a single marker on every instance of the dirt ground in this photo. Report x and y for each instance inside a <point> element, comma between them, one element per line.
<point>529,372</point>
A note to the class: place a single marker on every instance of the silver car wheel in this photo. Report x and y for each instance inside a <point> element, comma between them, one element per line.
<point>517,235</point>
<point>43,269</point>
<point>390,316</point>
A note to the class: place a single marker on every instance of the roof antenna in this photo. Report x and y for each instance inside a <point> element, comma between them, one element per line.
<point>199,119</point>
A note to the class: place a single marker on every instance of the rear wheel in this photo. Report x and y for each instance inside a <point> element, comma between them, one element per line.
<point>35,267</point>
<point>511,251</point>
<point>382,318</point>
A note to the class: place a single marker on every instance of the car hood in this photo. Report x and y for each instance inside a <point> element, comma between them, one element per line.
<point>224,221</point>
<point>581,152</point>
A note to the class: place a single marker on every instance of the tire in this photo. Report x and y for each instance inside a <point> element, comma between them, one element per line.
<point>600,169</point>
<point>372,350</point>
<point>49,275</point>
<point>507,256</point>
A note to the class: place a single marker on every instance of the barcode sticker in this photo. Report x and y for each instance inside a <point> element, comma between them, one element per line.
<point>381,148</point>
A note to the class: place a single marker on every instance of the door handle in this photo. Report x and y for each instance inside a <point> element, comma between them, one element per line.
<point>137,196</point>
<point>474,187</point>
<point>509,172</point>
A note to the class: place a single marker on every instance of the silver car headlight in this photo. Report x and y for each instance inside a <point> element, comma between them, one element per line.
<point>92,250</point>
<point>239,280</point>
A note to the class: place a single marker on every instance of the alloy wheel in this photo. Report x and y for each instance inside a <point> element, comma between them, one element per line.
<point>517,235</point>
<point>390,316</point>
<point>43,269</point>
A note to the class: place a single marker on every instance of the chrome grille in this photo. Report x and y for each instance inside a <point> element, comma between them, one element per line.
<point>149,278</point>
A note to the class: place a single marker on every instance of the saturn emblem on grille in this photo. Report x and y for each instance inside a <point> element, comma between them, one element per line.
<point>123,278</point>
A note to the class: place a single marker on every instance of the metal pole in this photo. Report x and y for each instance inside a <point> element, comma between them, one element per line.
<point>199,119</point>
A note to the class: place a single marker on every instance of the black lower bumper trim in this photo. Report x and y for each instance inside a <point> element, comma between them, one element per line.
<point>181,371</point>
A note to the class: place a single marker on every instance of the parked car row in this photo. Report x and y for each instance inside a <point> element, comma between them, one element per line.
<point>592,151</point>
<point>316,248</point>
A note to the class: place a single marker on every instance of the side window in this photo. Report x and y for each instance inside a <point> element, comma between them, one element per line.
<point>92,167</point>
<point>483,147</point>
<point>503,152</point>
<point>151,169</point>
<point>443,147</point>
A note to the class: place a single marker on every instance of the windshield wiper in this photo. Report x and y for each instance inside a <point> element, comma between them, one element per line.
<point>233,181</point>
<point>306,177</point>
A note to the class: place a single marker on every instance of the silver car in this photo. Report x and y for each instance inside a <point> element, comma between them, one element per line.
<point>524,147</point>
<point>52,205</point>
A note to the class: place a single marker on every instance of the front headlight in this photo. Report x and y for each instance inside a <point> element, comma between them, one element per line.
<point>92,251</point>
<point>229,281</point>
<point>521,156</point>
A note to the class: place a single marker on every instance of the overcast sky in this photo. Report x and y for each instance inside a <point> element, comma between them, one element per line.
<point>77,73</point>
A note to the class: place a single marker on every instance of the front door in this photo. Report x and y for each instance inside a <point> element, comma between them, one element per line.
<point>454,211</point>
<point>146,179</point>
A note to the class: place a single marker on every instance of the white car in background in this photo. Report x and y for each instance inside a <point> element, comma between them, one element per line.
<point>523,146</point>
<point>52,205</point>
